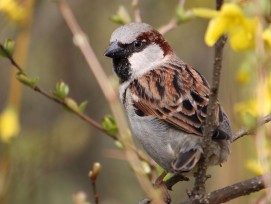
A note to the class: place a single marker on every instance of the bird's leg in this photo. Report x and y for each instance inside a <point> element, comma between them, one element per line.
<point>175,179</point>
<point>159,180</point>
<point>159,183</point>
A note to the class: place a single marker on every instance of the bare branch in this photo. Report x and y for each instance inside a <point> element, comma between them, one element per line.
<point>116,108</point>
<point>12,61</point>
<point>93,175</point>
<point>200,175</point>
<point>84,117</point>
<point>181,3</point>
<point>246,131</point>
<point>172,24</point>
<point>81,41</point>
<point>137,15</point>
<point>233,191</point>
<point>175,179</point>
<point>55,99</point>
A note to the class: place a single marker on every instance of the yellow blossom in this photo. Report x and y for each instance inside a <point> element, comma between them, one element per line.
<point>9,124</point>
<point>267,36</point>
<point>12,9</point>
<point>249,110</point>
<point>230,19</point>
<point>243,75</point>
<point>255,167</point>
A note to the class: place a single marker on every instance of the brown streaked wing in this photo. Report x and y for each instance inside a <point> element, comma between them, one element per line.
<point>177,94</point>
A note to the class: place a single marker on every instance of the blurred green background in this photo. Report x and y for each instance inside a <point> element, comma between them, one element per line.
<point>50,158</point>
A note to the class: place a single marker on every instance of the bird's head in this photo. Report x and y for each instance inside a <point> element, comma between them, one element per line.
<point>135,49</point>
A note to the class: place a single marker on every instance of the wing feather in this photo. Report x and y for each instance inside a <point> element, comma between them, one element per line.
<point>176,94</point>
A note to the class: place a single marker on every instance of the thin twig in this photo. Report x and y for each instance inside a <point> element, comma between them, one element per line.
<point>246,131</point>
<point>84,117</point>
<point>173,23</point>
<point>81,41</point>
<point>137,15</point>
<point>125,137</point>
<point>95,192</point>
<point>93,174</point>
<point>81,115</point>
<point>233,191</point>
<point>176,178</point>
<point>55,99</point>
<point>12,61</point>
<point>200,175</point>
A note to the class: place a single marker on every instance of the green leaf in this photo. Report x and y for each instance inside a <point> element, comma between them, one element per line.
<point>122,17</point>
<point>119,144</point>
<point>71,104</point>
<point>146,167</point>
<point>117,19</point>
<point>82,106</point>
<point>23,78</point>
<point>183,16</point>
<point>62,90</point>
<point>109,125</point>
<point>9,46</point>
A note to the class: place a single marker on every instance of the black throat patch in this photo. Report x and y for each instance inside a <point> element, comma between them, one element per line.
<point>122,68</point>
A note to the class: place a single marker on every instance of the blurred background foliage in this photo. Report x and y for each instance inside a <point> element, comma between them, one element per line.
<point>51,155</point>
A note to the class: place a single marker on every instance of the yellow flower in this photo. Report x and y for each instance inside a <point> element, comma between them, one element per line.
<point>267,93</point>
<point>255,167</point>
<point>12,9</point>
<point>9,124</point>
<point>251,109</point>
<point>247,112</point>
<point>230,19</point>
<point>267,36</point>
<point>243,74</point>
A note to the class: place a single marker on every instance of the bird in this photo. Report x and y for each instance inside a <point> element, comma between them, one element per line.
<point>165,100</point>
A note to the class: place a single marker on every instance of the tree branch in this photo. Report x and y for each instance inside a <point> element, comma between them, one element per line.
<point>124,134</point>
<point>176,178</point>
<point>200,175</point>
<point>234,191</point>
<point>173,23</point>
<point>12,61</point>
<point>83,116</point>
<point>245,131</point>
<point>137,15</point>
<point>55,99</point>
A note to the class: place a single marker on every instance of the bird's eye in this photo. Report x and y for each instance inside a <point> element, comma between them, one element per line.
<point>138,44</point>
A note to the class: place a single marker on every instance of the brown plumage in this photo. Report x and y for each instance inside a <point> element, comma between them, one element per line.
<point>165,99</point>
<point>178,95</point>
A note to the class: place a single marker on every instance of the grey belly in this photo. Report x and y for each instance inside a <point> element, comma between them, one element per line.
<point>163,143</point>
<point>160,141</point>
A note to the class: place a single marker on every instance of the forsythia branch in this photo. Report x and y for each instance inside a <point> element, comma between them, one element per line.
<point>218,196</point>
<point>83,116</point>
<point>137,15</point>
<point>94,65</point>
<point>173,23</point>
<point>200,175</point>
<point>233,191</point>
<point>245,131</point>
<point>53,98</point>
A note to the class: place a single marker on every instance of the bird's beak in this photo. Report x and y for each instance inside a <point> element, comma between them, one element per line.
<point>114,50</point>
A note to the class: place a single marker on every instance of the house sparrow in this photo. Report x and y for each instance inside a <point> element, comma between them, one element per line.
<point>165,99</point>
